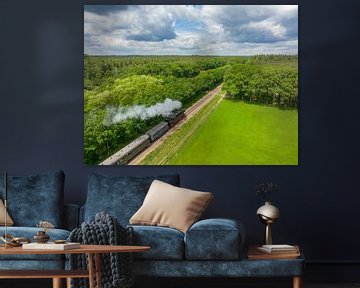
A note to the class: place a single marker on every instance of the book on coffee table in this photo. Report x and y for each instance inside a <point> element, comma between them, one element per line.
<point>272,249</point>
<point>255,254</point>
<point>51,246</point>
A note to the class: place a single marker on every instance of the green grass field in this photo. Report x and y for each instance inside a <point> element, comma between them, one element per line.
<point>237,133</point>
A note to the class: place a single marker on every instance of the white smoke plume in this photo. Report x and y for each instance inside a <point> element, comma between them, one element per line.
<point>117,114</point>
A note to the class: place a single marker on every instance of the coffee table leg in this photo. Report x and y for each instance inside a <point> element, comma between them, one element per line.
<point>68,282</point>
<point>91,270</point>
<point>57,283</point>
<point>297,282</point>
<point>98,270</point>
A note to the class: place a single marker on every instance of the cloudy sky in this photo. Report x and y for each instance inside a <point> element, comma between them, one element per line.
<point>190,29</point>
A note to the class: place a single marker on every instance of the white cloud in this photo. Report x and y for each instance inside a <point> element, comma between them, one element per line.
<point>188,29</point>
<point>267,26</point>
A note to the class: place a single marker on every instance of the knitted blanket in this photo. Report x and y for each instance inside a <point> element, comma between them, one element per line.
<point>116,268</point>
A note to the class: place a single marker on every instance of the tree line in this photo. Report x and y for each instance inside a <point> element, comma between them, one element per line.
<point>99,70</point>
<point>271,85</point>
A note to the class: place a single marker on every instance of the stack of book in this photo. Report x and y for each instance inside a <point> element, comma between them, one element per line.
<point>279,249</point>
<point>274,252</point>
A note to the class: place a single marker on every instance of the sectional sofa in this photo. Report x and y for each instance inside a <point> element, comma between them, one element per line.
<point>209,248</point>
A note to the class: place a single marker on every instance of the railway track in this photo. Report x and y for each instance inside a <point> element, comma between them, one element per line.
<point>201,102</point>
<point>191,111</point>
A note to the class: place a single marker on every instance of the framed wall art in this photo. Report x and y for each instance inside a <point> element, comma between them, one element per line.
<point>191,85</point>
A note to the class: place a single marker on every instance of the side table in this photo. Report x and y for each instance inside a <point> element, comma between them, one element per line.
<point>288,259</point>
<point>93,251</point>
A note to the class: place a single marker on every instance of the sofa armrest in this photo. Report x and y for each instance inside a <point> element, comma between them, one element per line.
<point>215,239</point>
<point>71,216</point>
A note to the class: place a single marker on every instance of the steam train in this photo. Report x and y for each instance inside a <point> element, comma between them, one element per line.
<point>124,155</point>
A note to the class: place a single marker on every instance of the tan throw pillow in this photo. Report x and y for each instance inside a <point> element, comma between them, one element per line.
<point>9,221</point>
<point>170,206</point>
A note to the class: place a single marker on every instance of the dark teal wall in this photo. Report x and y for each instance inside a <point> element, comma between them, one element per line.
<point>41,120</point>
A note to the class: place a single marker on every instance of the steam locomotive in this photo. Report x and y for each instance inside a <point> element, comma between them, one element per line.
<point>124,155</point>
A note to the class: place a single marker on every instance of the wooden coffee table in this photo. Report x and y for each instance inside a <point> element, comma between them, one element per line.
<point>92,251</point>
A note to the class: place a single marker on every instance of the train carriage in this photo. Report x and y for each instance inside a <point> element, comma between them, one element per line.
<point>157,131</point>
<point>124,155</point>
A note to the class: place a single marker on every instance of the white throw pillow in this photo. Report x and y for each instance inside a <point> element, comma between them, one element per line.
<point>170,206</point>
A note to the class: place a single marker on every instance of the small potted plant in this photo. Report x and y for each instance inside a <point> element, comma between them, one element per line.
<point>41,236</point>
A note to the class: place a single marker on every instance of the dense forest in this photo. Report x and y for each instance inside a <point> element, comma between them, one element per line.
<point>275,85</point>
<point>119,84</point>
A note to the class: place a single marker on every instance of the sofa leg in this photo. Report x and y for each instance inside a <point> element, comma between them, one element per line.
<point>57,283</point>
<point>297,282</point>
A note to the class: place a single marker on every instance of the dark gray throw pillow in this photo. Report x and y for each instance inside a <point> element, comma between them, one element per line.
<point>120,196</point>
<point>35,198</point>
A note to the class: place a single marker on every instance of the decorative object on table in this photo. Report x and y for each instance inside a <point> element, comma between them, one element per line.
<point>41,236</point>
<point>59,241</point>
<point>116,268</point>
<point>11,241</point>
<point>268,213</point>
<point>255,254</point>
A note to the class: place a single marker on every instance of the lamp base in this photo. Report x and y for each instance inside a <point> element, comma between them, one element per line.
<point>268,237</point>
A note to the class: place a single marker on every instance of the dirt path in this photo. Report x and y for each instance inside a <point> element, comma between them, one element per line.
<point>190,112</point>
